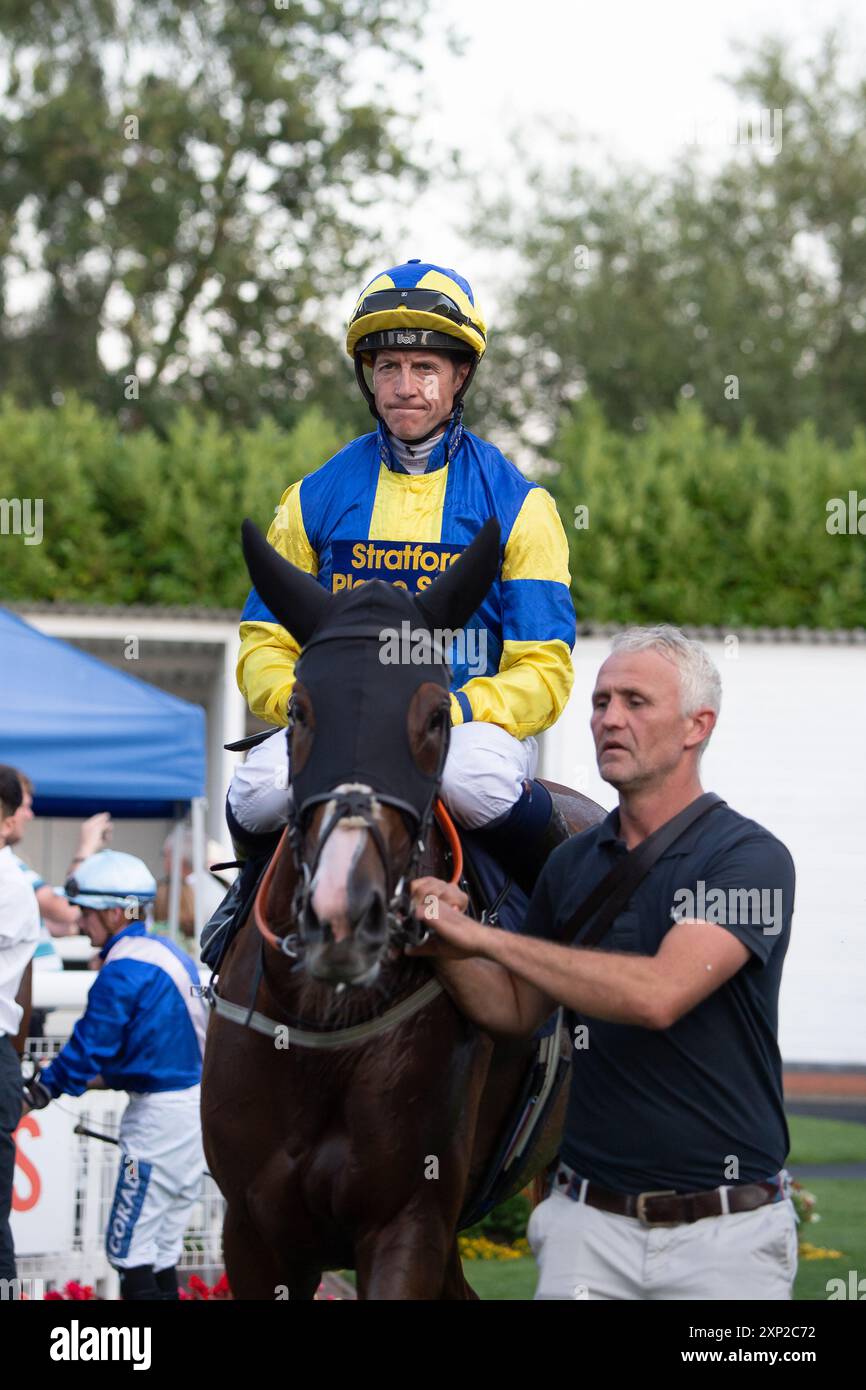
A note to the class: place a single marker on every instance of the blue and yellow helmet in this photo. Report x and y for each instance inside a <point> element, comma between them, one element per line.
<point>416,305</point>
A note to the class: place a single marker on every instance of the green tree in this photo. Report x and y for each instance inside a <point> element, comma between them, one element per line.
<point>188,187</point>
<point>685,524</point>
<point>743,290</point>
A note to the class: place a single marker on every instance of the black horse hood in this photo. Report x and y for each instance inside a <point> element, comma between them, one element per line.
<point>361,669</point>
<point>365,652</point>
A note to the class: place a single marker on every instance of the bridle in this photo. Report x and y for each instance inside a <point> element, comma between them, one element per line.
<point>359,806</point>
<point>401,928</point>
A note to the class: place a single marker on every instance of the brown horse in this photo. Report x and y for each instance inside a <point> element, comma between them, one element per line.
<point>351,1121</point>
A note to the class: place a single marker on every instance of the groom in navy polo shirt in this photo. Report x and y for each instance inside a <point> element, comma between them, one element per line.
<point>672,1181</point>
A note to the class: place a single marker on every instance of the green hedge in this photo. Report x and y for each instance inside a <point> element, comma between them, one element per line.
<point>686,524</point>
<point>691,526</point>
<point>128,518</point>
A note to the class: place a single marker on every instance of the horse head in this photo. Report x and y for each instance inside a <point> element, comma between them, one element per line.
<point>369,725</point>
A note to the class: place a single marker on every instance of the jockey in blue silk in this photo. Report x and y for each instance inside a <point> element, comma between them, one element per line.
<point>399,504</point>
<point>142,1031</point>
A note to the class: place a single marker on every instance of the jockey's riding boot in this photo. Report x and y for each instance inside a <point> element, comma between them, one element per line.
<point>213,931</point>
<point>254,852</point>
<point>138,1285</point>
<point>530,832</point>
<point>166,1282</point>
<point>219,932</point>
<point>537,851</point>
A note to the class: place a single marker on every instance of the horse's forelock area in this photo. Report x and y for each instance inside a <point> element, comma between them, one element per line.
<point>368,658</point>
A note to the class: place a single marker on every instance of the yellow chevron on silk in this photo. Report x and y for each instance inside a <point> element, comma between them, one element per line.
<point>392,520</point>
<point>537,548</point>
<point>421,520</point>
<point>510,698</point>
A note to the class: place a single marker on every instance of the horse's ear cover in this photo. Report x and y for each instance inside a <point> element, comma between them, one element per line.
<point>300,603</point>
<point>455,595</point>
<point>292,595</point>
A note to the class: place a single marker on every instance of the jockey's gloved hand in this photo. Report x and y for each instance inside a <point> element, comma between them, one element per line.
<point>36,1093</point>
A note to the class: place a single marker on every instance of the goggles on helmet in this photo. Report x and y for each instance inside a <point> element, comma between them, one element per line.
<point>424,301</point>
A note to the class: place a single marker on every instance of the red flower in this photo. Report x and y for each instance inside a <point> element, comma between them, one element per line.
<point>72,1292</point>
<point>197,1289</point>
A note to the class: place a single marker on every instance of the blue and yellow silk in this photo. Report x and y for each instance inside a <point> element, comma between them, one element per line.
<point>362,516</point>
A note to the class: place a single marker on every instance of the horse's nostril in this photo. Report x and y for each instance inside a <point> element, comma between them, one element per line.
<point>371,924</point>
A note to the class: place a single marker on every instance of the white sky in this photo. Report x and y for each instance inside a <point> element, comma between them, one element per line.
<point>635,82</point>
<point>631,78</point>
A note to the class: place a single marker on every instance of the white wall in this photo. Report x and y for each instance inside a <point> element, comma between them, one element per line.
<point>790,752</point>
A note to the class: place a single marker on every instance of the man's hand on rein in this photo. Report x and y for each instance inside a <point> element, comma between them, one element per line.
<point>448,893</point>
<point>440,906</point>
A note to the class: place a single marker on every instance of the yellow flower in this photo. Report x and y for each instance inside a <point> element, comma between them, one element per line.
<point>480,1248</point>
<point>819,1252</point>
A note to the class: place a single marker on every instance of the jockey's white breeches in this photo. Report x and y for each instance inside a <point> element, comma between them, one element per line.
<point>159,1181</point>
<point>484,775</point>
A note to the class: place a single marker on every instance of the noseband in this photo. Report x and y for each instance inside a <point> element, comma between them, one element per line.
<point>356,808</point>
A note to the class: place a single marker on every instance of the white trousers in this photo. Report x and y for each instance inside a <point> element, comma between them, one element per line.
<point>584,1253</point>
<point>483,778</point>
<point>161,1167</point>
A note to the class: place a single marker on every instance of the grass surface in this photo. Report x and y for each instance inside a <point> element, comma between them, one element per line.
<point>825,1141</point>
<point>842,1208</point>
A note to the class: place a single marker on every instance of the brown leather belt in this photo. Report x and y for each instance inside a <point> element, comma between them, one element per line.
<point>669,1208</point>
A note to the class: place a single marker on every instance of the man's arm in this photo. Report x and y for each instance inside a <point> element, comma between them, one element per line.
<point>532,686</point>
<point>498,1001</point>
<point>60,916</point>
<point>266,662</point>
<point>694,959</point>
<point>97,1037</point>
<point>531,976</point>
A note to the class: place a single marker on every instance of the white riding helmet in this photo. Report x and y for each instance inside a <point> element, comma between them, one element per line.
<point>110,879</point>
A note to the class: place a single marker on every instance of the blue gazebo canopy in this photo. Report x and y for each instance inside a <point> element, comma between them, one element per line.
<point>92,738</point>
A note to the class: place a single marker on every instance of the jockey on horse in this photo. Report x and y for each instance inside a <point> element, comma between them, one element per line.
<point>399,504</point>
